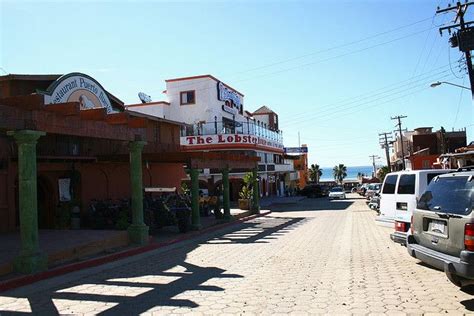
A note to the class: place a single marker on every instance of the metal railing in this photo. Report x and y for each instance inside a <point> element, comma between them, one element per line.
<point>232,127</point>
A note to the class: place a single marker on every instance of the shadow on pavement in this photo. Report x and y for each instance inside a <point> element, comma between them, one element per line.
<point>154,280</point>
<point>316,204</point>
<point>469,304</point>
<point>260,232</point>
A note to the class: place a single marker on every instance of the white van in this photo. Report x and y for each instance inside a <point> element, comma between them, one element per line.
<point>398,197</point>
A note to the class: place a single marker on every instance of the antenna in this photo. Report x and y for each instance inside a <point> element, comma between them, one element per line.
<point>145,98</point>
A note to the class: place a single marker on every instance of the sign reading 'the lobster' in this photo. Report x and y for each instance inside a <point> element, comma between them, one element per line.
<point>227,139</point>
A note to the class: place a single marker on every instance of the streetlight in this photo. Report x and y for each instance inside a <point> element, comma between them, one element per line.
<point>438,83</point>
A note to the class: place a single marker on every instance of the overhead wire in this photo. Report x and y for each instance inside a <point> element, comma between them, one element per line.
<point>343,105</point>
<point>311,117</point>
<point>337,46</point>
<point>184,85</point>
<point>459,103</point>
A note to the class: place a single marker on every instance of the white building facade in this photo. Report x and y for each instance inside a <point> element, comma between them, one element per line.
<point>215,119</point>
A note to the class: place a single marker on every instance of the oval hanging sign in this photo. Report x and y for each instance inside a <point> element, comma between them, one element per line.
<point>78,87</point>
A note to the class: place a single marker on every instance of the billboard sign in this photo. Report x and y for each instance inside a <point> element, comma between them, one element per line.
<point>296,150</point>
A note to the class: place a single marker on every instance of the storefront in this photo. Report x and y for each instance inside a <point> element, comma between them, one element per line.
<point>215,120</point>
<point>65,142</point>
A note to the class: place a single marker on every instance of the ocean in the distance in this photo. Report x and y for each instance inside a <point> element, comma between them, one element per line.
<point>351,172</point>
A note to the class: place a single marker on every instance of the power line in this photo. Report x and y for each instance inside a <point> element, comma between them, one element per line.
<point>336,112</point>
<point>459,104</point>
<point>339,46</point>
<point>368,95</point>
<point>337,56</point>
<point>330,109</point>
<point>315,62</point>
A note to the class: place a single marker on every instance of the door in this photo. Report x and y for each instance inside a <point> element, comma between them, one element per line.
<point>46,207</point>
<point>387,197</point>
<point>405,197</point>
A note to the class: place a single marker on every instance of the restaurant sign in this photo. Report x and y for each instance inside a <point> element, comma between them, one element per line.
<point>78,87</point>
<point>296,150</point>
<point>227,139</point>
<point>225,94</point>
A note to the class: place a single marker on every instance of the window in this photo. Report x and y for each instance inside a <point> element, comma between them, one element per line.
<point>269,158</point>
<point>187,97</point>
<point>430,176</point>
<point>449,195</point>
<point>406,184</point>
<point>389,184</point>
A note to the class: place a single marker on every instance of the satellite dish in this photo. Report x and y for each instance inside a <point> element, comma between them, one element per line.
<point>145,98</point>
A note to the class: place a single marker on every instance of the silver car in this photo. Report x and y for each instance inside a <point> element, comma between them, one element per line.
<point>337,193</point>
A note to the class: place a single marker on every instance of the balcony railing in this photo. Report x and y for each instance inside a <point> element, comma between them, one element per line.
<point>232,127</point>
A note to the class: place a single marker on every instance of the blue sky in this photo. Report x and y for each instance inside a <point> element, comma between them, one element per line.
<point>336,73</point>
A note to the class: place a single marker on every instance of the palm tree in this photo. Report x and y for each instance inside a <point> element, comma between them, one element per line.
<point>382,172</point>
<point>339,172</point>
<point>315,173</point>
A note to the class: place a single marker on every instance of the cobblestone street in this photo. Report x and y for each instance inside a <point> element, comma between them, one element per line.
<point>314,257</point>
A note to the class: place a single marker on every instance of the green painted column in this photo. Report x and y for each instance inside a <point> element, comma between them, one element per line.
<point>31,259</point>
<point>226,194</point>
<point>195,214</point>
<point>256,192</point>
<point>138,231</point>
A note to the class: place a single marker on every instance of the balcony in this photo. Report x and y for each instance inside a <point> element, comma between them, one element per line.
<point>231,134</point>
<point>284,168</point>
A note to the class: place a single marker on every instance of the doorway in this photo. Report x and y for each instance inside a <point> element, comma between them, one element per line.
<point>46,207</point>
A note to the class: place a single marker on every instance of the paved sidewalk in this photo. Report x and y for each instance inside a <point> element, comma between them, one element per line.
<point>314,257</point>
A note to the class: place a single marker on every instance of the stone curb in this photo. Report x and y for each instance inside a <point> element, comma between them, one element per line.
<point>29,279</point>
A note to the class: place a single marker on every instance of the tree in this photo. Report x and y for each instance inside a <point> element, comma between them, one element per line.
<point>382,172</point>
<point>339,173</point>
<point>315,173</point>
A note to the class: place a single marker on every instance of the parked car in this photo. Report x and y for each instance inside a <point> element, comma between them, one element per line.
<point>374,202</point>
<point>443,227</point>
<point>313,191</point>
<point>399,194</point>
<point>337,193</point>
<point>372,189</point>
<point>324,190</point>
<point>361,190</point>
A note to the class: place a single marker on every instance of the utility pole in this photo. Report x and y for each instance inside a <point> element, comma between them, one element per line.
<point>399,124</point>
<point>385,142</point>
<point>462,38</point>
<point>374,172</point>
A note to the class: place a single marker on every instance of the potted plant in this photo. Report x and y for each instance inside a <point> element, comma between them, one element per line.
<point>245,193</point>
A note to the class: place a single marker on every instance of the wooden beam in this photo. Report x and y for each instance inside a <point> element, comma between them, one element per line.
<point>93,114</point>
<point>137,122</point>
<point>27,102</point>
<point>66,109</point>
<point>120,118</point>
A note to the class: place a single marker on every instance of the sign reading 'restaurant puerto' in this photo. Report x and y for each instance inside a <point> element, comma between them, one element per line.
<point>77,87</point>
<point>208,141</point>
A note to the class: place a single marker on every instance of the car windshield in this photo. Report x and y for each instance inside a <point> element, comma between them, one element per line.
<point>449,195</point>
<point>338,189</point>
